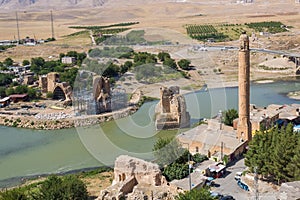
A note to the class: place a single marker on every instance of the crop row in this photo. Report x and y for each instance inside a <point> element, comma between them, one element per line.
<point>200,30</point>
<point>103,27</point>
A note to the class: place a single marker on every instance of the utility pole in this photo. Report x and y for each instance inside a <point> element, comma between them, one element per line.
<point>222,150</point>
<point>52,27</point>
<point>18,31</point>
<point>256,184</point>
<point>189,158</point>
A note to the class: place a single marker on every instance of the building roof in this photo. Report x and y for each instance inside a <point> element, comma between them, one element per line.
<point>18,95</point>
<point>4,99</point>
<point>197,178</point>
<point>211,136</point>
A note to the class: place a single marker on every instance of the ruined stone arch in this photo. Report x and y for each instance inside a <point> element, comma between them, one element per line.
<point>58,93</point>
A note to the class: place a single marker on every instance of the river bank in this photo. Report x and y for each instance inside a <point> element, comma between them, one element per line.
<point>60,120</point>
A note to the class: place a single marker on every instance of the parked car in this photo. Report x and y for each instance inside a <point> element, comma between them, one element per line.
<point>242,185</point>
<point>238,175</point>
<point>210,181</point>
<point>216,195</point>
<point>227,197</point>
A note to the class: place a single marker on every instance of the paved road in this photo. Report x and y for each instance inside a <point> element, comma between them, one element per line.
<point>228,185</point>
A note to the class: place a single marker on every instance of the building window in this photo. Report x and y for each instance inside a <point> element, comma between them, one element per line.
<point>197,149</point>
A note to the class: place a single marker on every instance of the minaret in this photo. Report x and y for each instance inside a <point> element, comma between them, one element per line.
<point>244,125</point>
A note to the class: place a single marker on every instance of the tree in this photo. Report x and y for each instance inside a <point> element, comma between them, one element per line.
<point>170,63</point>
<point>294,166</point>
<point>166,151</point>
<point>2,92</point>
<point>9,91</point>
<point>195,194</point>
<point>162,56</point>
<point>14,194</point>
<point>184,64</point>
<point>124,68</point>
<point>69,76</point>
<point>198,158</point>
<point>176,171</point>
<point>229,116</point>
<point>56,188</point>
<point>74,188</point>
<point>25,62</point>
<point>37,64</point>
<point>5,79</point>
<point>8,62</point>
<point>274,154</point>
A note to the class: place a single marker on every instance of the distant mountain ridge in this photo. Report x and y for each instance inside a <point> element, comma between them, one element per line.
<point>54,4</point>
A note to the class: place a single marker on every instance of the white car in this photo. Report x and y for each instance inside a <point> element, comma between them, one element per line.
<point>238,175</point>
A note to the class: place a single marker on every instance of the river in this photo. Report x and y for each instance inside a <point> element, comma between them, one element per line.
<point>25,152</point>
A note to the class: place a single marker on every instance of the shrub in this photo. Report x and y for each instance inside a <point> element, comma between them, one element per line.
<point>198,158</point>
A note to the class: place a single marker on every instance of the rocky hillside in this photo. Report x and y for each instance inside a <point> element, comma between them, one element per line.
<point>46,4</point>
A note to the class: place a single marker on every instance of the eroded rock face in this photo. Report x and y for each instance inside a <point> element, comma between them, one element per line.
<point>171,110</point>
<point>143,171</point>
<point>137,179</point>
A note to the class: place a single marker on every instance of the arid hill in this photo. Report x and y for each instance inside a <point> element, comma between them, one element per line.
<point>49,4</point>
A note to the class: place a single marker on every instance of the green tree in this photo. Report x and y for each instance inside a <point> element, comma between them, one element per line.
<point>32,93</point>
<point>14,194</point>
<point>8,62</point>
<point>25,62</point>
<point>166,151</point>
<point>9,91</point>
<point>273,152</point>
<point>162,56</point>
<point>284,152</point>
<point>56,188</point>
<point>21,89</point>
<point>2,92</point>
<point>176,171</point>
<point>69,76</point>
<point>74,188</point>
<point>198,158</point>
<point>229,116</point>
<point>112,70</point>
<point>294,166</point>
<point>195,194</point>
<point>5,79</point>
<point>37,64</point>
<point>184,64</point>
<point>127,65</point>
<point>170,63</point>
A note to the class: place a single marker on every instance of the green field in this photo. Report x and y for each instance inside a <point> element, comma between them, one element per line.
<point>225,32</point>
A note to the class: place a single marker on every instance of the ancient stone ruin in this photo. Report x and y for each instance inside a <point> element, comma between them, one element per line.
<point>137,179</point>
<point>52,83</point>
<point>171,110</point>
<point>102,94</point>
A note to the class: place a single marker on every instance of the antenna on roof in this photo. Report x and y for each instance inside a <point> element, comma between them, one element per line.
<point>17,20</point>
<point>52,27</point>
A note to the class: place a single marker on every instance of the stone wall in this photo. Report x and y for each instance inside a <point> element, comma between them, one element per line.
<point>132,173</point>
<point>171,110</point>
<point>102,94</point>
